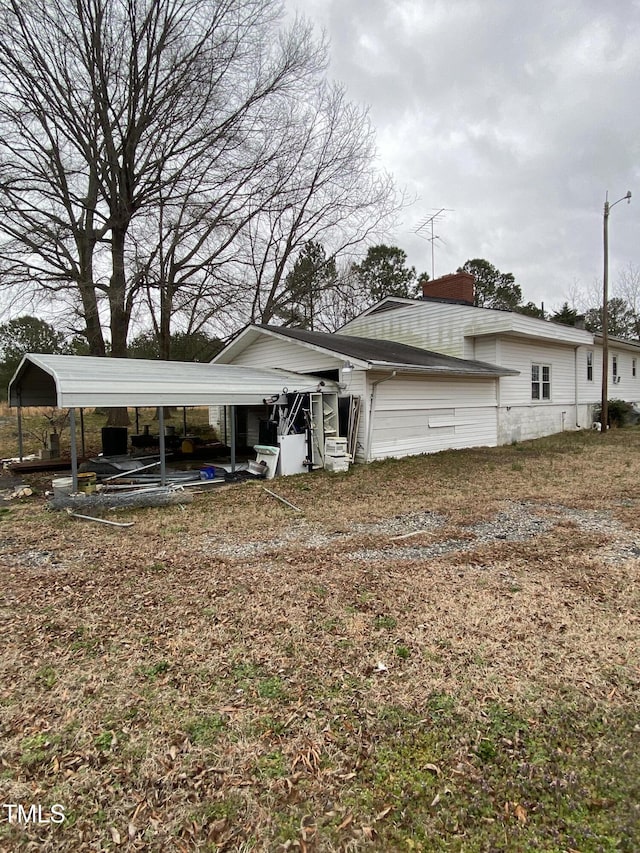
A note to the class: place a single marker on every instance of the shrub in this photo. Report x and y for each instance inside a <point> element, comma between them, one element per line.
<point>620,413</point>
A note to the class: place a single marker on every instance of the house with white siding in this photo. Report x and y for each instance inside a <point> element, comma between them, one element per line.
<point>438,372</point>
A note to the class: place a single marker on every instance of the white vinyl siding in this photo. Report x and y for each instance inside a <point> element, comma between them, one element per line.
<point>287,355</point>
<point>415,325</point>
<point>443,327</point>
<point>521,355</point>
<point>485,349</point>
<point>623,385</point>
<point>589,390</point>
<point>415,415</point>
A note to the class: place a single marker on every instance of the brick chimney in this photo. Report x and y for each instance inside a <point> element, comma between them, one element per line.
<point>457,285</point>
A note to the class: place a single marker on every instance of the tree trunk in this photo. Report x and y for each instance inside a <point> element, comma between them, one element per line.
<point>117,294</point>
<point>119,315</point>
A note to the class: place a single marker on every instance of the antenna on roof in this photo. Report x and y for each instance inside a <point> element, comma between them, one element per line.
<point>427,225</point>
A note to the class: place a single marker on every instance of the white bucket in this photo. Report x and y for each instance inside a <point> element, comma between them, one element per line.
<point>62,486</point>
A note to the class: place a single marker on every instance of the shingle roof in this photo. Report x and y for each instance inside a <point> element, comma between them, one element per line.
<point>391,353</point>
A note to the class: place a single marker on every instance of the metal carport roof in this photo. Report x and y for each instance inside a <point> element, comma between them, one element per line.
<point>69,381</point>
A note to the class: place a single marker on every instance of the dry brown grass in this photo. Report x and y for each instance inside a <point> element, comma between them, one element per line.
<point>227,677</point>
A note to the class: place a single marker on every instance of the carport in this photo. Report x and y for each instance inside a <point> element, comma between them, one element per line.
<point>77,382</point>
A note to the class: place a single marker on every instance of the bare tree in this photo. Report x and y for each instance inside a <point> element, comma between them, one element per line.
<point>325,189</point>
<point>627,287</point>
<point>340,304</point>
<point>113,109</point>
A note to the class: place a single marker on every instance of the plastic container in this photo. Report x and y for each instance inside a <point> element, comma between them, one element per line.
<point>114,441</point>
<point>87,483</point>
<point>336,464</point>
<point>207,472</point>
<point>335,446</point>
<point>62,486</point>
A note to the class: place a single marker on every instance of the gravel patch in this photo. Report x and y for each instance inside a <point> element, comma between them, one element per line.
<point>403,524</point>
<point>518,522</point>
<point>307,535</point>
<point>30,559</point>
<point>302,533</point>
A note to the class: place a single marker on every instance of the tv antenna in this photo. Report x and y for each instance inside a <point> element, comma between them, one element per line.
<point>427,225</point>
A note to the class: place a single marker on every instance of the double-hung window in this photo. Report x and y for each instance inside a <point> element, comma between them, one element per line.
<point>614,367</point>
<point>589,365</point>
<point>540,382</point>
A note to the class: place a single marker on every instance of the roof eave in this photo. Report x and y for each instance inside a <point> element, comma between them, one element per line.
<point>443,370</point>
<point>618,342</point>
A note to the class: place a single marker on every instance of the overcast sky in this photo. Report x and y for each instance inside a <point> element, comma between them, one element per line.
<point>517,117</point>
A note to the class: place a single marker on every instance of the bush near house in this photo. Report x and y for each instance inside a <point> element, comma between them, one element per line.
<point>620,412</point>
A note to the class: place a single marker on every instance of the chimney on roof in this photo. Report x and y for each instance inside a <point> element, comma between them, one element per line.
<point>457,285</point>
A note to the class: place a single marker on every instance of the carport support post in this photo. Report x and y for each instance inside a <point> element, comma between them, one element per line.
<point>74,450</point>
<point>233,439</point>
<point>163,465</point>
<point>20,442</point>
<point>82,443</point>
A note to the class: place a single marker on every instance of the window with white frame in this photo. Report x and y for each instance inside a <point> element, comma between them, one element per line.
<point>633,367</point>
<point>589,365</point>
<point>614,367</point>
<point>540,382</point>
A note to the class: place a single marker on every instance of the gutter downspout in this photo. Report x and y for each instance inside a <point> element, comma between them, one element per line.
<point>372,405</point>
<point>575,356</point>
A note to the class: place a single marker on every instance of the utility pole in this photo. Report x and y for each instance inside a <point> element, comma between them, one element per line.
<point>604,405</point>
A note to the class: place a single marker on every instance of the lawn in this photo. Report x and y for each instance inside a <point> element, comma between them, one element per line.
<point>433,654</point>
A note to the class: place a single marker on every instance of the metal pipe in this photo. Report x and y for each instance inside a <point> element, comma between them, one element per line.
<point>163,461</point>
<point>576,379</point>
<point>74,450</point>
<point>20,441</point>
<point>82,441</point>
<point>233,439</point>
<point>374,388</point>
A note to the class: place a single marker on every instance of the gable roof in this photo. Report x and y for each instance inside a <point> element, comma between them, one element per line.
<point>474,321</point>
<point>375,353</point>
<point>72,381</point>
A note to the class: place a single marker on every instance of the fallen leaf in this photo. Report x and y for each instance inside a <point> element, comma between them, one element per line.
<point>520,813</point>
<point>345,823</point>
<point>115,835</point>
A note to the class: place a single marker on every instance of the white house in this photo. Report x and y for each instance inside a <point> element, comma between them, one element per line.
<point>438,372</point>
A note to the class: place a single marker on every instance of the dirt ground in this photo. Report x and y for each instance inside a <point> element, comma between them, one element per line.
<point>437,653</point>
